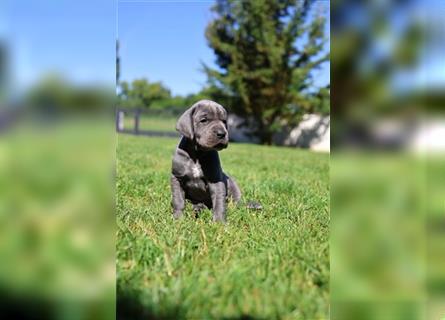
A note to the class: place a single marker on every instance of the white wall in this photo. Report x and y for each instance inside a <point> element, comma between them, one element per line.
<point>313,132</point>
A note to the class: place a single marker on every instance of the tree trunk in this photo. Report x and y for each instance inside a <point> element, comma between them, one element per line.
<point>268,139</point>
<point>263,131</point>
<point>266,136</point>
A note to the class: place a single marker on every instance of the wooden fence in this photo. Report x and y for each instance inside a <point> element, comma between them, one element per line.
<point>136,114</point>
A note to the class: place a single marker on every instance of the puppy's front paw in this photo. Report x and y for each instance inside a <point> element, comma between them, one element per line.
<point>177,214</point>
<point>219,218</point>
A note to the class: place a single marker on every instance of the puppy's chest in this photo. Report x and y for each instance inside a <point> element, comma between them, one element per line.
<point>196,171</point>
<point>195,177</point>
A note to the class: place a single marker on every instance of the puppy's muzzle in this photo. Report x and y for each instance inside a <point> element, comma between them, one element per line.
<point>222,138</point>
<point>221,134</point>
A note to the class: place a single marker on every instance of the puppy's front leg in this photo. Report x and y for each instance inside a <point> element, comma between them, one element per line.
<point>218,194</point>
<point>178,201</point>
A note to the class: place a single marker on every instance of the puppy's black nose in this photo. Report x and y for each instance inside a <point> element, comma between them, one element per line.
<point>220,134</point>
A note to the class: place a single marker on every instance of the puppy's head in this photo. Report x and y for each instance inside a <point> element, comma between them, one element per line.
<point>205,123</point>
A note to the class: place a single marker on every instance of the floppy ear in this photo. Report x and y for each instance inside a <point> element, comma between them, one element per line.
<point>185,123</point>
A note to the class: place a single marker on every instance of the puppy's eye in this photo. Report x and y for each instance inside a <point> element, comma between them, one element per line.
<point>203,120</point>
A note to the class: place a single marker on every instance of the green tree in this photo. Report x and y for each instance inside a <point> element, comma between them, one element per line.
<point>264,72</point>
<point>142,94</point>
<point>53,94</point>
<point>363,81</point>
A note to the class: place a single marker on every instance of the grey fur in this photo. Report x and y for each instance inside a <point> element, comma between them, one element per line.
<point>197,175</point>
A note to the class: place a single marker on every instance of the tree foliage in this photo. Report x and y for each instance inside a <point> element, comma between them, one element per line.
<point>266,52</point>
<point>54,95</point>
<point>141,93</point>
<point>364,70</point>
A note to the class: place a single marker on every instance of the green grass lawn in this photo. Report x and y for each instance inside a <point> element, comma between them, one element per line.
<point>56,219</point>
<point>261,265</point>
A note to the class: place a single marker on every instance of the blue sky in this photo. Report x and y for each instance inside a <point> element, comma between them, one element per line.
<point>160,40</point>
<point>164,41</point>
<point>73,38</point>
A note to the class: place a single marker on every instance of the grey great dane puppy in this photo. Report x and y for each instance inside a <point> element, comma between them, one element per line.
<point>196,170</point>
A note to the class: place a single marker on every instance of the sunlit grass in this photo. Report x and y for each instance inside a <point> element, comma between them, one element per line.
<point>268,264</point>
<point>56,218</point>
<point>387,236</point>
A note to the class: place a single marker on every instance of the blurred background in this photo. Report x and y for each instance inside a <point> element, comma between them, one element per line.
<point>58,63</point>
<point>57,91</point>
<point>388,140</point>
<point>267,62</point>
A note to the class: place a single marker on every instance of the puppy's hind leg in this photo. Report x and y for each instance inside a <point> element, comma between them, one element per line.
<point>233,190</point>
<point>235,193</point>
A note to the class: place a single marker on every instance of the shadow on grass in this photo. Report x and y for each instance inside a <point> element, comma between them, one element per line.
<point>21,306</point>
<point>35,305</point>
<point>130,307</point>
